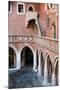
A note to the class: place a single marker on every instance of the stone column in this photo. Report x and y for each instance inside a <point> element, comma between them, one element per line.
<point>39,64</point>
<point>18,62</point>
<point>53,78</point>
<point>45,72</point>
<point>34,62</point>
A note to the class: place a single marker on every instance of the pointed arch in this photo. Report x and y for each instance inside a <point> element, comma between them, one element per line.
<point>23,48</point>
<point>31,6</point>
<point>26,57</point>
<point>12,46</point>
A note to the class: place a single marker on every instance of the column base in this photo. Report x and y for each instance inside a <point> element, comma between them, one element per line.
<point>35,69</point>
<point>39,74</point>
<point>53,79</point>
<point>46,83</point>
<point>39,71</point>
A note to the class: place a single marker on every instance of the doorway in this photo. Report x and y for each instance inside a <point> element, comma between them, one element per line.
<point>26,57</point>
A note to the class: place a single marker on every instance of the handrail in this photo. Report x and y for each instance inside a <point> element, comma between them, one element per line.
<point>49,43</point>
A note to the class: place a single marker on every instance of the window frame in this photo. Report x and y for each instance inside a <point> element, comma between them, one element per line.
<point>23,8</point>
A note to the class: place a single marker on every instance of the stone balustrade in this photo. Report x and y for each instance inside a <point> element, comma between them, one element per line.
<point>49,43</point>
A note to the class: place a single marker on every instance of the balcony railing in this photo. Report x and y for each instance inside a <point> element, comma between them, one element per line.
<point>51,44</point>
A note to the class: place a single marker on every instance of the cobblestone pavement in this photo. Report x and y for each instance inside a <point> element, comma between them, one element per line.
<point>24,78</point>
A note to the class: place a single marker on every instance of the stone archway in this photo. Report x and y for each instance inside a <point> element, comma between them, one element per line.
<point>12,58</point>
<point>26,57</point>
<point>49,68</point>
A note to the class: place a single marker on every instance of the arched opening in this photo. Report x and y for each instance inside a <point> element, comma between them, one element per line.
<point>42,64</point>
<point>49,67</point>
<point>32,24</point>
<point>30,8</point>
<point>56,73</point>
<point>12,58</point>
<point>26,57</point>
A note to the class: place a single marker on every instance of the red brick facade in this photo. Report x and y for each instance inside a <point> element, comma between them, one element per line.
<point>36,29</point>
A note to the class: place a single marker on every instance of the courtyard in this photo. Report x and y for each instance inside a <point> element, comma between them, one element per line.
<point>25,78</point>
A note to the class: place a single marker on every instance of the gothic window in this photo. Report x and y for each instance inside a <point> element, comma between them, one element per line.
<point>30,8</point>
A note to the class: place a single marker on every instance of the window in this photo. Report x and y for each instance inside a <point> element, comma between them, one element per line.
<point>21,8</point>
<point>30,8</point>
<point>9,7</point>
